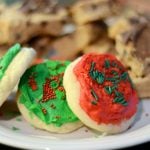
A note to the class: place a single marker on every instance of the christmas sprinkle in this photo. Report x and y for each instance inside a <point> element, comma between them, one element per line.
<point>32,83</point>
<point>100,77</point>
<point>15,128</point>
<point>94,102</point>
<point>48,92</point>
<point>44,111</point>
<point>18,119</point>
<point>107,64</point>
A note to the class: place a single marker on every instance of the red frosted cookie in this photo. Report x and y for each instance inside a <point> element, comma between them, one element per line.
<point>100,92</point>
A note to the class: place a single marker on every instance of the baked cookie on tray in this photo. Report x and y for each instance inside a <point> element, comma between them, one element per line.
<point>100,92</point>
<point>102,45</point>
<point>42,98</point>
<point>70,45</point>
<point>12,65</point>
<point>118,26</point>
<point>42,45</point>
<point>133,47</point>
<point>85,11</point>
<point>33,18</point>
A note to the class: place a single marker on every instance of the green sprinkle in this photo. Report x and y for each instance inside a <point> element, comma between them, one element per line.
<point>92,66</point>
<point>18,119</point>
<point>15,128</point>
<point>94,102</point>
<point>124,103</point>
<point>114,72</point>
<point>108,89</point>
<point>107,64</point>
<point>113,64</point>
<point>118,93</point>
<point>116,76</point>
<point>101,77</point>
<point>114,87</point>
<point>120,100</point>
<point>94,94</point>
<point>96,75</point>
<point>124,76</point>
<point>111,79</point>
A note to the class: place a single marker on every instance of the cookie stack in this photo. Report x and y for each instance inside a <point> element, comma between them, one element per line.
<point>46,26</point>
<point>97,11</point>
<point>61,96</point>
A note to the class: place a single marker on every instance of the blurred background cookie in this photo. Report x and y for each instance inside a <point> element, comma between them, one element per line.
<point>87,11</point>
<point>70,45</point>
<point>67,29</point>
<point>134,48</point>
<point>18,25</point>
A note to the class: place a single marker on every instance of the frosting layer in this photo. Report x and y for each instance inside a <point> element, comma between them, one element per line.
<point>7,58</point>
<point>42,92</point>
<point>107,94</point>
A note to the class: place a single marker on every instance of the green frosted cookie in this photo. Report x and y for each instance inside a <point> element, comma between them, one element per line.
<point>42,98</point>
<point>12,65</point>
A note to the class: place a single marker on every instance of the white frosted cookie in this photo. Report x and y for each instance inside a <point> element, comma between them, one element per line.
<point>12,65</point>
<point>42,98</point>
<point>100,93</point>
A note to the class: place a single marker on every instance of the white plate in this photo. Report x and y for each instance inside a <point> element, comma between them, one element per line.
<point>15,131</point>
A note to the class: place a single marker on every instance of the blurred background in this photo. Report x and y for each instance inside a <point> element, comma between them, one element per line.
<point>66,29</point>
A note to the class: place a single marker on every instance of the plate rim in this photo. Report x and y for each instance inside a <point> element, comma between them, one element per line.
<point>15,139</point>
<point>27,141</point>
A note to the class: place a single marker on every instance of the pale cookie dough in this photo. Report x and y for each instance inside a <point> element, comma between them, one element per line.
<point>36,122</point>
<point>14,71</point>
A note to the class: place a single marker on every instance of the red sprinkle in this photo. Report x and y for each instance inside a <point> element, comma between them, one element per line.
<point>57,117</point>
<point>48,92</point>
<point>61,88</point>
<point>62,74</point>
<point>32,83</point>
<point>44,111</point>
<point>55,78</point>
<point>53,106</point>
